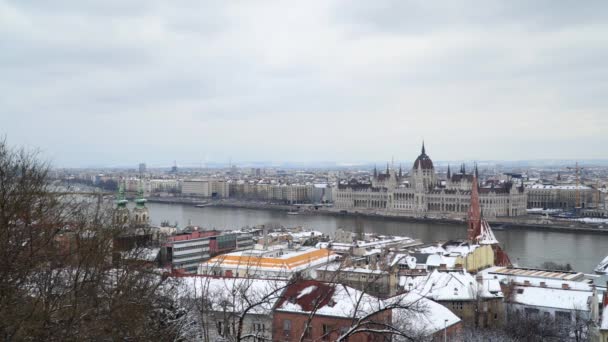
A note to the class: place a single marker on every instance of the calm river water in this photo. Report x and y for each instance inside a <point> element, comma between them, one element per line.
<point>525,247</point>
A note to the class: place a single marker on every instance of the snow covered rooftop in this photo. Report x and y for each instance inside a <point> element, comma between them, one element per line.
<point>338,266</point>
<point>535,273</point>
<point>451,286</point>
<point>450,248</point>
<point>233,294</point>
<point>552,298</point>
<point>332,300</point>
<point>421,316</point>
<point>292,261</point>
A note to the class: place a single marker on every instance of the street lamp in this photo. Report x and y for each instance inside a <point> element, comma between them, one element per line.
<point>445,330</point>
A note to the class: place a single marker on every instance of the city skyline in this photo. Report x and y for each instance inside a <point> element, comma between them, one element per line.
<point>325,81</point>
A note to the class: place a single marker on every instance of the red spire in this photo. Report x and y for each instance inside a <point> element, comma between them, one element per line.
<point>474,229</point>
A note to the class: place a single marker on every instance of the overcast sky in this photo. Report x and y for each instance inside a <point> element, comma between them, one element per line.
<point>118,82</point>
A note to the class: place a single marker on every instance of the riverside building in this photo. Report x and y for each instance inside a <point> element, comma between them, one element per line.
<point>422,194</point>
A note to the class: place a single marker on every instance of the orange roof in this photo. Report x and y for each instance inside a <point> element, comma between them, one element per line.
<point>288,262</point>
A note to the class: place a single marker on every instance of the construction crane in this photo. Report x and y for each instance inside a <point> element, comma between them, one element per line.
<point>578,182</point>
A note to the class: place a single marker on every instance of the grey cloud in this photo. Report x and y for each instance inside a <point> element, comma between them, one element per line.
<point>123,81</point>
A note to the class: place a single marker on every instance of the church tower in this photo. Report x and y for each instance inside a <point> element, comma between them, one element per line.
<point>121,213</point>
<point>141,215</point>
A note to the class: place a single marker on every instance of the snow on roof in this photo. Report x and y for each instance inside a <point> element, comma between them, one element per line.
<point>305,234</point>
<point>383,240</point>
<point>233,294</point>
<point>534,277</point>
<point>461,249</point>
<point>435,260</point>
<point>421,316</point>
<point>333,300</point>
<point>338,266</point>
<point>552,298</point>
<point>293,261</point>
<point>451,286</point>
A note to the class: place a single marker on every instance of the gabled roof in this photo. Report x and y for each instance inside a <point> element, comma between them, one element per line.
<point>334,300</point>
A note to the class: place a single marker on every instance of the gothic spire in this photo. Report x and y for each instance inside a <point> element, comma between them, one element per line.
<point>476,171</point>
<point>375,171</point>
<point>423,150</point>
<point>387,169</point>
<point>400,171</point>
<point>474,229</point>
<point>449,173</point>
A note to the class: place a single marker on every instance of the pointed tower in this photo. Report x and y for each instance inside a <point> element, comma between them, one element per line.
<point>449,175</point>
<point>423,149</point>
<point>474,229</point>
<point>479,230</point>
<point>375,172</point>
<point>121,212</point>
<point>140,213</point>
<point>476,171</point>
<point>400,171</point>
<point>387,169</point>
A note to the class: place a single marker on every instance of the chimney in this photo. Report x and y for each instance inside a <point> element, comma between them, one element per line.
<point>443,267</point>
<point>526,283</point>
<point>543,284</point>
<point>565,286</point>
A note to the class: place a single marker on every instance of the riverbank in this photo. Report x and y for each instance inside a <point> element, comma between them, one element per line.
<point>519,223</point>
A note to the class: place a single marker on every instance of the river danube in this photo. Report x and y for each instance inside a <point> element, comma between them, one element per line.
<point>525,247</point>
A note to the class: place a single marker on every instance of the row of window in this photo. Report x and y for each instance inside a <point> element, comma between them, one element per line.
<point>226,330</point>
<point>326,330</point>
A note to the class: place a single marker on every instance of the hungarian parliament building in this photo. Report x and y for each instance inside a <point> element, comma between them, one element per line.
<point>422,194</point>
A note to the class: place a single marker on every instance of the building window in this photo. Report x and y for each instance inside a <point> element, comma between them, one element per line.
<point>286,327</point>
<point>307,331</point>
<point>219,329</point>
<point>326,332</point>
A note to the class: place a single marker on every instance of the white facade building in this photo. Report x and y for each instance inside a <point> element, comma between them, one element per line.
<point>422,194</point>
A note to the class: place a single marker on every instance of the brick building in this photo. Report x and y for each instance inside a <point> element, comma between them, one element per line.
<point>334,313</point>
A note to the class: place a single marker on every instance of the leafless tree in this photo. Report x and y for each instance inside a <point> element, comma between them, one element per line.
<point>59,275</point>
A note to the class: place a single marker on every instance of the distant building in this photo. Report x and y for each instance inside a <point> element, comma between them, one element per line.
<point>212,188</point>
<point>185,252</point>
<point>422,193</point>
<point>142,168</point>
<point>477,300</point>
<point>549,196</point>
<point>272,262</point>
<point>281,193</point>
<point>562,296</point>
